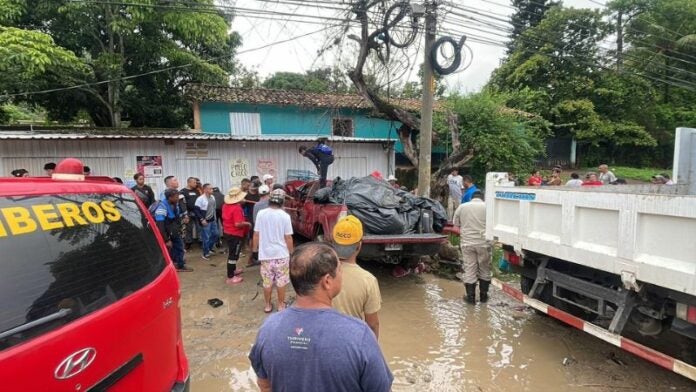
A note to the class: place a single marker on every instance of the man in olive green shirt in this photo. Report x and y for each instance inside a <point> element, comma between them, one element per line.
<point>359,296</point>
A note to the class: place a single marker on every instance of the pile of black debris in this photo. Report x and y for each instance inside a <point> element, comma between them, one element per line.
<point>383,209</point>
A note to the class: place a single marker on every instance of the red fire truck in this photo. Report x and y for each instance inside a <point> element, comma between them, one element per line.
<point>89,298</point>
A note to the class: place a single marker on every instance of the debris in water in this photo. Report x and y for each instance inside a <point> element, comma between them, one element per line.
<point>568,361</point>
<point>215,302</point>
<point>612,357</point>
<point>400,272</point>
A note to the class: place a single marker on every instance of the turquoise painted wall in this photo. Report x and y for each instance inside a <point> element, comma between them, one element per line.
<point>292,120</point>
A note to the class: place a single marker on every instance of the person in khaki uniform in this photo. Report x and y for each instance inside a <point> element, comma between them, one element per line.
<point>359,296</point>
<point>476,251</point>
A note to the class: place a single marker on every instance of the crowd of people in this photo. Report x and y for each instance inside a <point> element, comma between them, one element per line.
<point>603,176</point>
<point>336,310</point>
<point>48,168</point>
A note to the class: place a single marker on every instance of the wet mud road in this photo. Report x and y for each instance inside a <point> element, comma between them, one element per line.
<point>430,338</point>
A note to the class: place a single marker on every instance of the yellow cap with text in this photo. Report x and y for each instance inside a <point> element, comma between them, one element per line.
<point>348,231</point>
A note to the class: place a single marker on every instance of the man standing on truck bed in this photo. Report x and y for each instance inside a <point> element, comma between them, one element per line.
<point>476,252</point>
<point>321,156</point>
<point>359,296</point>
<point>168,216</point>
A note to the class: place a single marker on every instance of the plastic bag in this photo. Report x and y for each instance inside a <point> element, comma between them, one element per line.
<point>383,209</point>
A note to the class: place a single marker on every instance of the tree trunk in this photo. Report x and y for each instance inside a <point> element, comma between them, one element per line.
<point>113,87</point>
<point>619,41</point>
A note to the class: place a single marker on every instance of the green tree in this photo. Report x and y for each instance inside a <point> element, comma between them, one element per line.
<point>661,38</point>
<point>29,59</point>
<point>528,13</point>
<point>115,40</point>
<point>500,139</point>
<point>319,80</point>
<point>557,71</point>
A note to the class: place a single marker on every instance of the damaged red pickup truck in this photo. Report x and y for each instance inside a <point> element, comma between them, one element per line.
<point>315,221</point>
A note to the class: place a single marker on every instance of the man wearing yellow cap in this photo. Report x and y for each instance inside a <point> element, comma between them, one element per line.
<point>359,296</point>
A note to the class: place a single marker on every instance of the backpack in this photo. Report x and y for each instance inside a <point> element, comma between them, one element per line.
<point>153,208</point>
<point>325,149</point>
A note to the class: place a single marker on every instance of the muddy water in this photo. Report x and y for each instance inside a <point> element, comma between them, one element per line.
<point>431,340</point>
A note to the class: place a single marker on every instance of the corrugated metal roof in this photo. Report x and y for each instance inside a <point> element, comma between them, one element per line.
<point>37,135</point>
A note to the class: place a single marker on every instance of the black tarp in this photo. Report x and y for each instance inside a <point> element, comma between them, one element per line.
<point>381,208</point>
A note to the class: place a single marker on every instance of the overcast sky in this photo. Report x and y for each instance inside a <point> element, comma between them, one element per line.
<point>301,54</point>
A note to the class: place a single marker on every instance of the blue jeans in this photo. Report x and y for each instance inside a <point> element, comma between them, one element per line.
<point>210,235</point>
<point>176,252</point>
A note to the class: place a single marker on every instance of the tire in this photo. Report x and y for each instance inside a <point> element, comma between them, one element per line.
<point>526,284</point>
<point>457,56</point>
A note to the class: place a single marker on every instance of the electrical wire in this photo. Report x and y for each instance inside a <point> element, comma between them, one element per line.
<point>47,91</point>
<point>601,48</point>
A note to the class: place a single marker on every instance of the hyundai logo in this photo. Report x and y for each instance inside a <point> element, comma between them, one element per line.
<point>75,363</point>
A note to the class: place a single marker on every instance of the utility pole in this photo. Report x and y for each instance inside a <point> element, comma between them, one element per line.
<point>426,128</point>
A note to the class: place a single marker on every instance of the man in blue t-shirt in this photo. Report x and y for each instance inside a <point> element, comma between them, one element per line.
<point>311,347</point>
<point>321,156</point>
<point>470,188</point>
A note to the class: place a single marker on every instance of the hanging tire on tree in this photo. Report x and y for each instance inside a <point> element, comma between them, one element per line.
<point>453,61</point>
<point>400,28</point>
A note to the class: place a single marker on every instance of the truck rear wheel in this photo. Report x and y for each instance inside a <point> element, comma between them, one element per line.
<point>526,284</point>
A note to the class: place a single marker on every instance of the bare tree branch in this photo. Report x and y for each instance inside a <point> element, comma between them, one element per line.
<point>410,123</point>
<point>453,123</point>
<point>368,42</point>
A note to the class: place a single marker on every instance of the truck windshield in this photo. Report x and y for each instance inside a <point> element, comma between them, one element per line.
<point>65,256</point>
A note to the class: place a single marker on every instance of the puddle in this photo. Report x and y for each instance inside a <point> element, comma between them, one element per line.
<point>430,338</point>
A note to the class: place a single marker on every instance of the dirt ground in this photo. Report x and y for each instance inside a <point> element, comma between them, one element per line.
<point>430,338</point>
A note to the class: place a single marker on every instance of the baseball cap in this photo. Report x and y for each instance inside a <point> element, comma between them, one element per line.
<point>264,190</point>
<point>347,234</point>
<point>267,177</point>
<point>277,197</point>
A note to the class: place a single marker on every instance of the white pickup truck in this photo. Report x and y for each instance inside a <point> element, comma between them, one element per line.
<point>624,255</point>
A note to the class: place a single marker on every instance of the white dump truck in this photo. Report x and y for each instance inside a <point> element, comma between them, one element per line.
<point>618,261</point>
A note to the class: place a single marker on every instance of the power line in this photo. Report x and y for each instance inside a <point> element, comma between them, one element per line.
<point>684,84</point>
<point>539,41</point>
<point>599,46</point>
<point>79,86</point>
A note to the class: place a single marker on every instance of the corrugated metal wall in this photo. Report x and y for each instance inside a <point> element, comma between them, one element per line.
<point>116,158</point>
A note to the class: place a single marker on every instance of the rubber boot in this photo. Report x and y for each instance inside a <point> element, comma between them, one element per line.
<point>483,290</point>
<point>470,293</point>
